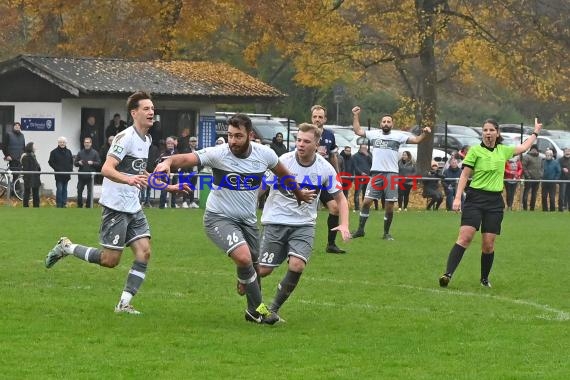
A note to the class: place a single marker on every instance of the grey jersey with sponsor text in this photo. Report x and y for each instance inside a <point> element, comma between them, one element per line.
<point>385,149</point>
<point>235,180</point>
<point>131,149</point>
<point>281,206</point>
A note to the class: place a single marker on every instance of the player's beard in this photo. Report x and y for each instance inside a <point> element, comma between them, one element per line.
<point>240,151</point>
<point>386,129</point>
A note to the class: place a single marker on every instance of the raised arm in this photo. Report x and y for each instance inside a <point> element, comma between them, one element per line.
<point>418,139</point>
<point>356,122</point>
<point>531,140</point>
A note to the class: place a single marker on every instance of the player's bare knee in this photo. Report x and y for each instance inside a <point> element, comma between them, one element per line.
<point>265,271</point>
<point>333,207</point>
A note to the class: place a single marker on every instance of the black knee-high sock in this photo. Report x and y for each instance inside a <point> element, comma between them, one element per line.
<point>284,289</point>
<point>388,216</point>
<point>332,222</point>
<point>363,217</point>
<point>89,254</point>
<point>454,258</point>
<point>486,264</point>
<point>248,277</point>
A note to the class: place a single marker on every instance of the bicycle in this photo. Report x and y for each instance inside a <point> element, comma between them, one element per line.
<point>16,187</point>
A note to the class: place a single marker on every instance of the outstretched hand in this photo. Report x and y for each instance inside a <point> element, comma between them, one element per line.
<point>344,232</point>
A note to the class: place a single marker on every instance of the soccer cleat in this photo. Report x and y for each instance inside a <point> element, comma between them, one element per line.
<point>194,205</point>
<point>184,205</point>
<point>358,233</point>
<point>444,280</point>
<point>387,237</point>
<point>262,315</point>
<point>58,252</point>
<point>126,309</point>
<point>485,282</point>
<point>332,248</point>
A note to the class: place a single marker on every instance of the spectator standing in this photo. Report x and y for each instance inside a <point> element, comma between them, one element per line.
<point>451,175</point>
<point>92,130</point>
<point>170,150</point>
<point>277,145</point>
<point>550,172</point>
<point>532,170</point>
<point>32,181</point>
<point>432,188</point>
<point>188,198</point>
<point>563,188</point>
<point>513,173</point>
<point>347,166</point>
<point>88,161</point>
<point>61,160</point>
<point>184,141</point>
<point>14,145</point>
<point>116,126</point>
<point>406,168</point>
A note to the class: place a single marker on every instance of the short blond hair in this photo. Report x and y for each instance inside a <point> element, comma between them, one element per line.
<point>308,127</point>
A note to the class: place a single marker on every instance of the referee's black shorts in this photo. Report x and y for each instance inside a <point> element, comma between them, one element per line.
<point>483,209</point>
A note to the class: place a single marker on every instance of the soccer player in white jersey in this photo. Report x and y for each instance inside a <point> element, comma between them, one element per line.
<point>289,231</point>
<point>384,144</point>
<point>230,219</point>
<point>123,222</point>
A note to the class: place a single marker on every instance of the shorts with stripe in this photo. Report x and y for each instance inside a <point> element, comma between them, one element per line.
<point>382,183</point>
<point>279,241</point>
<point>119,229</point>
<point>228,234</point>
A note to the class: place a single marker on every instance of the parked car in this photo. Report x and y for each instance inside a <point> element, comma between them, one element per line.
<point>557,145</point>
<point>264,128</point>
<point>454,142</point>
<point>516,128</point>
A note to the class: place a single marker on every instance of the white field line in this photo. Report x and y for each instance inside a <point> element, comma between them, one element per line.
<point>550,313</point>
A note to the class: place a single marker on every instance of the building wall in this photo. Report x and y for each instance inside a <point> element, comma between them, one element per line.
<point>67,115</point>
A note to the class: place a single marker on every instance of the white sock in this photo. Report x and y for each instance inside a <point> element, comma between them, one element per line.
<point>126,298</point>
<point>70,249</point>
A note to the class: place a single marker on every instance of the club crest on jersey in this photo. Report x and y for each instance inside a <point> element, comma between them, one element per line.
<point>117,149</point>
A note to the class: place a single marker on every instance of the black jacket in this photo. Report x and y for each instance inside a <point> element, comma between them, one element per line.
<point>61,160</point>
<point>30,164</point>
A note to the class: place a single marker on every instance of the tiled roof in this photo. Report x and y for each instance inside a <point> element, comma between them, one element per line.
<point>170,78</point>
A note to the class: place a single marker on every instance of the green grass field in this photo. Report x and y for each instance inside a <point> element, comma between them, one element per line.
<point>376,313</point>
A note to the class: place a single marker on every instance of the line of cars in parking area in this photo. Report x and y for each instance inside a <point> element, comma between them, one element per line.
<point>265,127</point>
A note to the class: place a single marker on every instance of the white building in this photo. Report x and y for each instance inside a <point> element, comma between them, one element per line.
<point>53,97</point>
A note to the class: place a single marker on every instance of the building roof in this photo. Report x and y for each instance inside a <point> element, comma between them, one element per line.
<point>98,76</point>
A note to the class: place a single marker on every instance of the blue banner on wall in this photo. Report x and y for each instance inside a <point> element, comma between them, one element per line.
<point>206,131</point>
<point>38,124</point>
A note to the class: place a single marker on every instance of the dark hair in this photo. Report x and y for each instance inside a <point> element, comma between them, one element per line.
<point>135,98</point>
<point>29,148</point>
<point>279,134</point>
<point>115,115</point>
<point>240,120</point>
<point>494,123</point>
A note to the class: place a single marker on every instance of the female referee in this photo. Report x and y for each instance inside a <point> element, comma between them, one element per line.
<point>483,206</point>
